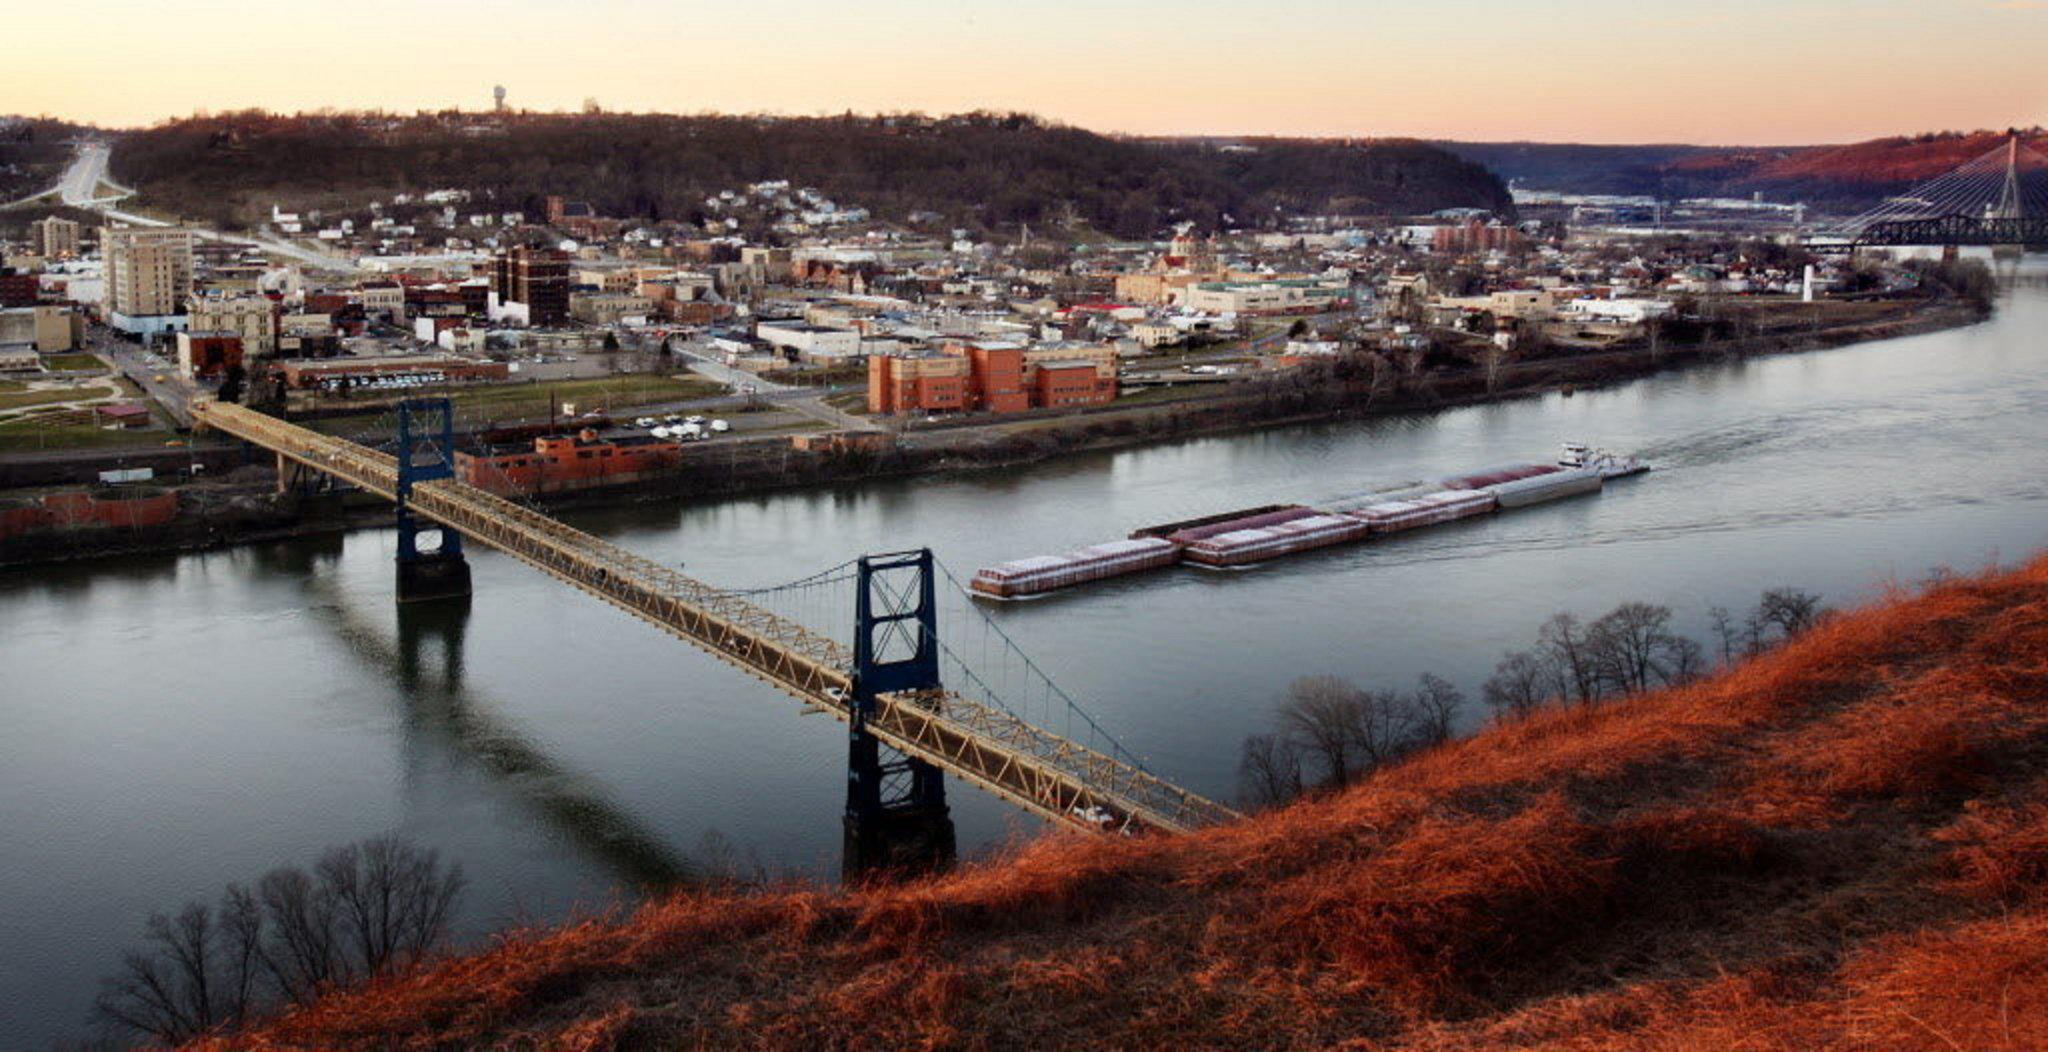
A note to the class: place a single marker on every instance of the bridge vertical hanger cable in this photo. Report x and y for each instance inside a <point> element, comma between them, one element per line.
<point>1055,707</point>
<point>1068,782</point>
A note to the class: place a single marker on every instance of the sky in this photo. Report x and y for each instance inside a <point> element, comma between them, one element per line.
<point>1750,72</point>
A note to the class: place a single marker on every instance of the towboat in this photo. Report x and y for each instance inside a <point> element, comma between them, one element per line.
<point>1610,465</point>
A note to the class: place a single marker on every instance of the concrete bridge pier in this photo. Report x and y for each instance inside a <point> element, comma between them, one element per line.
<point>907,831</point>
<point>432,576</point>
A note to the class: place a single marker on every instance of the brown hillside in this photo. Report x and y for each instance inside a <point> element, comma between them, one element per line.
<point>1840,844</point>
<point>1891,160</point>
<point>1865,169</point>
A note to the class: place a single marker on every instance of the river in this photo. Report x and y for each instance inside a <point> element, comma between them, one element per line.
<point>174,723</point>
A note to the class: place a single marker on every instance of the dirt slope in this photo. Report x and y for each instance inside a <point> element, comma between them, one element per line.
<point>1840,844</point>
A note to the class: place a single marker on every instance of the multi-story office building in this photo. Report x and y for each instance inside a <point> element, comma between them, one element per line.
<point>536,277</point>
<point>54,237</point>
<point>252,318</point>
<point>148,276</point>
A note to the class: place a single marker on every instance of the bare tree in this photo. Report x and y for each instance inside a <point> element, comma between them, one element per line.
<point>392,899</point>
<point>1562,643</point>
<point>1789,610</point>
<point>1685,661</point>
<point>1436,704</point>
<point>1389,725</point>
<point>1631,645</point>
<point>368,908</point>
<point>1726,632</point>
<point>182,985</point>
<point>1322,715</point>
<point>1520,684</point>
<point>1269,770</point>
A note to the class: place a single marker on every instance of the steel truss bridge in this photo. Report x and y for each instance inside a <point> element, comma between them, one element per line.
<point>901,705</point>
<point>1999,198</point>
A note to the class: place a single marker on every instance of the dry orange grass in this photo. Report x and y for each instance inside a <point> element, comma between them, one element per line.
<point>1839,844</point>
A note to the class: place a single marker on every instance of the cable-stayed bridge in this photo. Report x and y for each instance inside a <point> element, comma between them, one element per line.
<point>1999,198</point>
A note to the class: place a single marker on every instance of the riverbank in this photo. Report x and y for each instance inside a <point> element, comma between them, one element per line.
<point>1834,844</point>
<point>256,513</point>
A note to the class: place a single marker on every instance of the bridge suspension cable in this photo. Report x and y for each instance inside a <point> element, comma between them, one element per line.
<point>1065,781</point>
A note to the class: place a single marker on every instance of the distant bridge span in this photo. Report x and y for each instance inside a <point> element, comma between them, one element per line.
<point>1051,776</point>
<point>1997,199</point>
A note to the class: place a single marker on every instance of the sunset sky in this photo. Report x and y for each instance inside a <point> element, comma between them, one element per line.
<point>1730,71</point>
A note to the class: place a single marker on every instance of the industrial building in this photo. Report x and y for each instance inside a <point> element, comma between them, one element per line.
<point>581,461</point>
<point>991,376</point>
<point>310,375</point>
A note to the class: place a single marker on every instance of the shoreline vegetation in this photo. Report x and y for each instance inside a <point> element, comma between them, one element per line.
<point>242,508</point>
<point>1838,841</point>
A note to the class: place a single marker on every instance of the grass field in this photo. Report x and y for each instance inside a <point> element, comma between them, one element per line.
<point>855,402</point>
<point>66,362</point>
<point>505,403</point>
<point>32,434</point>
<point>14,396</point>
<point>610,392</point>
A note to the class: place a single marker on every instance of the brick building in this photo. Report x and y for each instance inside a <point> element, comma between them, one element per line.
<point>991,376</point>
<point>208,355</point>
<point>581,461</point>
<point>536,277</point>
<point>18,288</point>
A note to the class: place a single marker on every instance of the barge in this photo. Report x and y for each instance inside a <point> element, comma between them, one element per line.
<point>1268,531</point>
<point>1535,489</point>
<point>1494,476</point>
<point>1167,528</point>
<point>1427,510</point>
<point>1045,573</point>
<point>1244,547</point>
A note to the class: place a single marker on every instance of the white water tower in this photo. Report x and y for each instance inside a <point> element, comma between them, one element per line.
<point>498,98</point>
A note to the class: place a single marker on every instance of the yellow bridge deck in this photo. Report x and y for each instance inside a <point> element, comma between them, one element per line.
<point>1044,773</point>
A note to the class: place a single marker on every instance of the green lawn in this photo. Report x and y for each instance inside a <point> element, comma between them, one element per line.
<point>15,396</point>
<point>477,406</point>
<point>27,436</point>
<point>608,392</point>
<point>66,362</point>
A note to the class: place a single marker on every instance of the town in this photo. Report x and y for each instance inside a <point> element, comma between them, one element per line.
<point>1412,526</point>
<point>586,353</point>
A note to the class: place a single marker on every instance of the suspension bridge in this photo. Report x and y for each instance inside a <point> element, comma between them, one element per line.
<point>990,727</point>
<point>1999,199</point>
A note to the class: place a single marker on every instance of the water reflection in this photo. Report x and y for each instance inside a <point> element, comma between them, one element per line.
<point>444,717</point>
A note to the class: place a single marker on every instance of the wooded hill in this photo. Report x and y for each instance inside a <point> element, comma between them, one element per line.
<point>980,171</point>
<point>32,154</point>
<point>1847,177</point>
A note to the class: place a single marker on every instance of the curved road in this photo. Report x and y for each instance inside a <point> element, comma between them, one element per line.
<point>81,181</point>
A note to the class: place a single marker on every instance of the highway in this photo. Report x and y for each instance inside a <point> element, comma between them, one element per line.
<point>79,187</point>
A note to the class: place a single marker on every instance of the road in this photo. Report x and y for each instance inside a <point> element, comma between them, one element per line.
<point>143,367</point>
<point>78,187</point>
<point>809,401</point>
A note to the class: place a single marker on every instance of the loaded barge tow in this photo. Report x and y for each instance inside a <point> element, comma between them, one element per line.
<point>1249,536</point>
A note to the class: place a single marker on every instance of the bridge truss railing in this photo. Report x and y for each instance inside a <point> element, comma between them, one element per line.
<point>985,744</point>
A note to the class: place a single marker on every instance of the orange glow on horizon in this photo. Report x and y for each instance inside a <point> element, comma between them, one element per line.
<point>1745,72</point>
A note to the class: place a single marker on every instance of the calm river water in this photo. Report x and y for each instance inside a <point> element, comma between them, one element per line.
<point>170,724</point>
